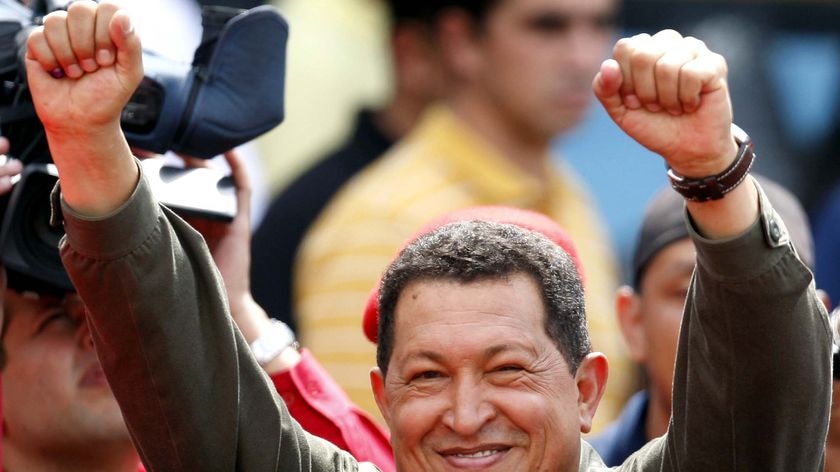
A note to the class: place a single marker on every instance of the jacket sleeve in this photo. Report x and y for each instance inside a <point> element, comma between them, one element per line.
<point>324,410</point>
<point>752,384</point>
<point>191,393</point>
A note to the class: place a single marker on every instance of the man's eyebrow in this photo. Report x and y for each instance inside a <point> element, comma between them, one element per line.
<point>684,267</point>
<point>506,347</point>
<point>551,20</point>
<point>424,355</point>
<point>488,352</point>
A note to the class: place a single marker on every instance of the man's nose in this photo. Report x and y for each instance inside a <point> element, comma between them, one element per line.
<point>83,337</point>
<point>586,45</point>
<point>469,409</point>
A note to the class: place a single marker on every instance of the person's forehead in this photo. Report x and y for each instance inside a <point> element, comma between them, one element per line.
<point>17,303</point>
<point>676,259</point>
<point>436,305</point>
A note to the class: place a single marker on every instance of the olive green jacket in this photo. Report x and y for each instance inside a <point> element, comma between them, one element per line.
<point>752,386</point>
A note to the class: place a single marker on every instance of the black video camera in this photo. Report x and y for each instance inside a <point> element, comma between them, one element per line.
<point>232,92</point>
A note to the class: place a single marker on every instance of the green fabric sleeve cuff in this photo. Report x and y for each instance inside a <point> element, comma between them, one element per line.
<point>750,254</point>
<point>114,235</point>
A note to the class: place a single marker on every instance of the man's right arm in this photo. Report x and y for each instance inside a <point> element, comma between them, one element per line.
<point>192,395</point>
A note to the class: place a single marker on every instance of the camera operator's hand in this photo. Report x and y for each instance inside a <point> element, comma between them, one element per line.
<point>670,94</point>
<point>83,65</point>
<point>8,167</point>
<point>230,245</point>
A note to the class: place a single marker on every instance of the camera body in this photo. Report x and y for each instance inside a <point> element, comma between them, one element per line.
<point>232,92</point>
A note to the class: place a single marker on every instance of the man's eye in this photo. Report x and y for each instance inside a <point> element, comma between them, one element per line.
<point>550,23</point>
<point>59,318</point>
<point>427,375</point>
<point>679,294</point>
<point>605,22</point>
<point>509,368</point>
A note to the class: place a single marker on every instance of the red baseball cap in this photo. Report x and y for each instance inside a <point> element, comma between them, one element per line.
<point>500,214</point>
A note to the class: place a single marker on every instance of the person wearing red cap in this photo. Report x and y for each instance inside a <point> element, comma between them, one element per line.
<point>527,219</point>
<point>483,361</point>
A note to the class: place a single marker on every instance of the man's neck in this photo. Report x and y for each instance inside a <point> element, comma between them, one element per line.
<point>399,116</point>
<point>123,458</point>
<point>524,148</point>
<point>658,415</point>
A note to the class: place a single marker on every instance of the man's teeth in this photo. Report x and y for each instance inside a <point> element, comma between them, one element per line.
<point>475,455</point>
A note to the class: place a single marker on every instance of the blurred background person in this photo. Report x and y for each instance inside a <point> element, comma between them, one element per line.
<point>826,220</point>
<point>337,63</point>
<point>518,73</point>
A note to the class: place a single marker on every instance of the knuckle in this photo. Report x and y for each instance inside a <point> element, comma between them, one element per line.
<point>622,47</point>
<point>668,34</point>
<point>720,61</point>
<point>667,68</point>
<point>35,36</point>
<point>107,8</point>
<point>81,6</point>
<point>646,57</point>
<point>55,19</point>
<point>695,43</point>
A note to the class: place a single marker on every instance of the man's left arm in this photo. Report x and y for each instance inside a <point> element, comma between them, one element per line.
<point>755,356</point>
<point>752,385</point>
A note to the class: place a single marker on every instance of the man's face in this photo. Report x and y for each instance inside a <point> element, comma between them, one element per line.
<point>54,392</point>
<point>538,59</point>
<point>475,383</point>
<point>662,296</point>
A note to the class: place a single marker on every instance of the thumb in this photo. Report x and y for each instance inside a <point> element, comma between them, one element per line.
<point>129,50</point>
<point>241,181</point>
<point>607,85</point>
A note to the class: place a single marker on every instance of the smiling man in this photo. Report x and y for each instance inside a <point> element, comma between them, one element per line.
<point>483,358</point>
<point>483,352</point>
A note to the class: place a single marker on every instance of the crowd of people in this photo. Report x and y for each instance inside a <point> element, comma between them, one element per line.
<point>443,234</point>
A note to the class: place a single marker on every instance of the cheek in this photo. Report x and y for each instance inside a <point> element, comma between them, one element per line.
<point>540,408</point>
<point>33,375</point>
<point>29,390</point>
<point>549,419</point>
<point>663,337</point>
<point>412,419</point>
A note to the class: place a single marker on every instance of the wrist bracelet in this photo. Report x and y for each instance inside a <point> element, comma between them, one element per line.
<point>714,187</point>
<point>273,341</point>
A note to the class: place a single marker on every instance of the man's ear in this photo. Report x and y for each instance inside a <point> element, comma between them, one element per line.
<point>377,385</point>
<point>591,380</point>
<point>628,309</point>
<point>825,299</point>
<point>459,44</point>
